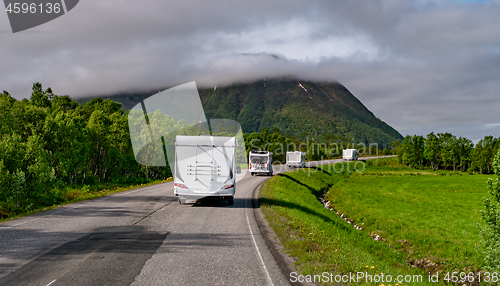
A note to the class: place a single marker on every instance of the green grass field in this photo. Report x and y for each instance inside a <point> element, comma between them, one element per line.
<point>426,219</point>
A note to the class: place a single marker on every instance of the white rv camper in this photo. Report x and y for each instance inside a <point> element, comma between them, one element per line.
<point>350,154</point>
<point>296,159</point>
<point>205,167</point>
<point>260,162</point>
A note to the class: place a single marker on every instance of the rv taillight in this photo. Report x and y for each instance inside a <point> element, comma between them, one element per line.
<point>180,185</point>
<point>227,187</point>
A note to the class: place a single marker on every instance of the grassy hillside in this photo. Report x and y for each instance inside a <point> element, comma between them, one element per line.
<point>325,108</point>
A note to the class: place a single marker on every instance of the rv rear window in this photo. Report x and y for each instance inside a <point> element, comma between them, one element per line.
<point>258,159</point>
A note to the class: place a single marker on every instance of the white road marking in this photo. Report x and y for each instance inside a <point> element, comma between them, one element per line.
<point>51,282</point>
<point>255,243</point>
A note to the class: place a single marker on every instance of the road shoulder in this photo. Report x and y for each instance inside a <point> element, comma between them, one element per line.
<point>284,260</point>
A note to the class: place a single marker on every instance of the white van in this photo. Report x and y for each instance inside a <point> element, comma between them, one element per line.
<point>350,154</point>
<point>260,162</point>
<point>296,159</point>
<point>205,167</point>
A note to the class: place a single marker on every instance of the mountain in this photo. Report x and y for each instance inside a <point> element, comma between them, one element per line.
<point>297,108</point>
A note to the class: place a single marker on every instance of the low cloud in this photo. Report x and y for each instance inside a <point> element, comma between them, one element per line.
<point>421,66</point>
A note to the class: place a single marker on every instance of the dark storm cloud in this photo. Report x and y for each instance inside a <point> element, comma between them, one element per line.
<point>420,66</point>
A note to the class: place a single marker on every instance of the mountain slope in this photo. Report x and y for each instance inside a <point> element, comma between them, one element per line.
<point>313,109</point>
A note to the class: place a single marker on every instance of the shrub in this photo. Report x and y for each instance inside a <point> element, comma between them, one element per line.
<point>491,216</point>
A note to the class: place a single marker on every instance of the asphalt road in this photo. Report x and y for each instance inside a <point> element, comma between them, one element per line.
<point>142,237</point>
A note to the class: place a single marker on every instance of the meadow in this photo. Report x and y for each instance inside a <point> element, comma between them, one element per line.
<point>413,221</point>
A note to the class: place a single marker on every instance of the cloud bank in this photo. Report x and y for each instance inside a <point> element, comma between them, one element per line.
<point>421,66</point>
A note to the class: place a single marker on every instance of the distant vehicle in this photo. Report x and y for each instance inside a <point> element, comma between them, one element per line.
<point>296,159</point>
<point>350,154</point>
<point>205,168</point>
<point>260,162</point>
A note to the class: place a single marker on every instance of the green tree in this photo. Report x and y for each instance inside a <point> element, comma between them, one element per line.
<point>39,174</point>
<point>477,158</point>
<point>404,151</point>
<point>466,148</point>
<point>12,177</point>
<point>98,128</point>
<point>483,154</point>
<point>49,141</point>
<point>64,103</point>
<point>66,138</point>
<point>6,118</point>
<point>431,150</point>
<point>39,97</point>
<point>448,152</point>
<point>418,142</point>
<point>316,152</point>
<point>491,216</point>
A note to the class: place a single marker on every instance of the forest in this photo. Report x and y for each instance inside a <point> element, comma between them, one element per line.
<point>49,143</point>
<point>447,152</point>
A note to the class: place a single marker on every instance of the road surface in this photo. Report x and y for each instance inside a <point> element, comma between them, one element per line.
<point>142,237</point>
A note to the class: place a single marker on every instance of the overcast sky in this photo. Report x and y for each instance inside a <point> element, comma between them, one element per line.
<point>420,65</point>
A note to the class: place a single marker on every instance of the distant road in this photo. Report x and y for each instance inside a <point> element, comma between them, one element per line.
<point>142,237</point>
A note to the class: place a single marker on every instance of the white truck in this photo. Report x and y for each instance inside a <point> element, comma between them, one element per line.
<point>350,154</point>
<point>296,159</point>
<point>260,162</point>
<point>205,168</point>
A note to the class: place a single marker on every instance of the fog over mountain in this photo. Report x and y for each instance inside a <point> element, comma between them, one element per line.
<point>419,65</point>
<point>296,107</point>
